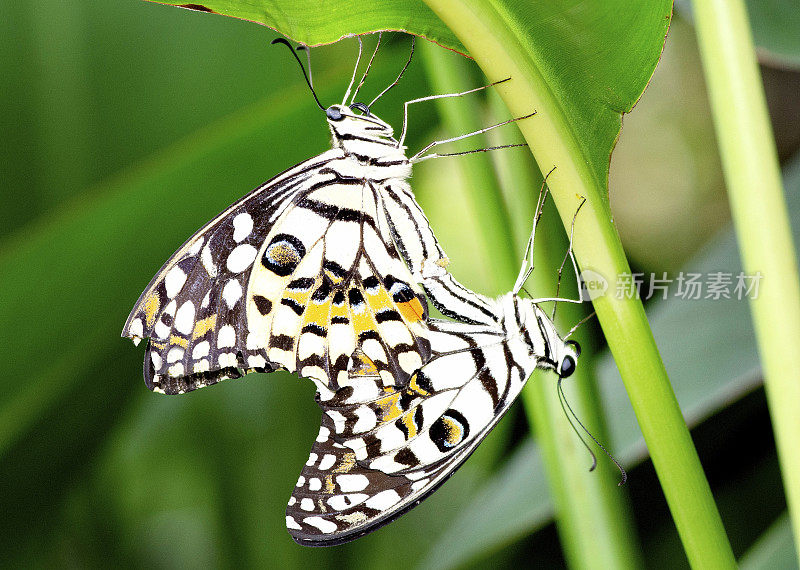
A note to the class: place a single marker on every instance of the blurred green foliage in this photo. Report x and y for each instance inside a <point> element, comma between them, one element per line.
<point>125,128</point>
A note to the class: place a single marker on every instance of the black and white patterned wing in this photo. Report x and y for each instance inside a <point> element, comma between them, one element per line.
<point>192,310</point>
<point>382,449</point>
<point>293,276</point>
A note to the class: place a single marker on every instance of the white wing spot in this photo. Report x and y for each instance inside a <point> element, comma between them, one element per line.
<point>196,246</point>
<point>292,500</point>
<point>174,281</point>
<point>208,262</point>
<point>201,365</point>
<point>384,500</point>
<point>311,459</point>
<point>323,435</point>
<point>366,420</point>
<point>323,525</point>
<point>307,504</point>
<point>227,360</point>
<point>241,257</point>
<point>257,361</point>
<point>351,483</point>
<point>342,502</point>
<point>242,226</point>
<point>156,358</point>
<point>175,354</point>
<point>176,370</point>
<point>184,319</point>
<point>201,349</point>
<point>327,462</point>
<point>314,484</point>
<point>291,523</point>
<point>136,329</point>
<point>232,292</point>
<point>338,420</point>
<point>301,481</point>
<point>226,336</point>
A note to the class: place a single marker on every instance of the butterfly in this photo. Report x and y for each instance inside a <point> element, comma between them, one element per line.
<point>322,258</point>
<point>382,449</point>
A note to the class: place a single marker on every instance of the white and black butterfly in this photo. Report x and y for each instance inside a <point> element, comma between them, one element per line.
<point>384,448</point>
<point>324,257</point>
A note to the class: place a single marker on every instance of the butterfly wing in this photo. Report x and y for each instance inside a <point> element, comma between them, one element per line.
<point>291,276</point>
<point>414,237</point>
<point>382,449</point>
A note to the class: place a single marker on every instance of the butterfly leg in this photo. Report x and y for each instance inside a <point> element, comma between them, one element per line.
<point>527,260</point>
<point>571,257</point>
<point>442,96</point>
<point>416,157</point>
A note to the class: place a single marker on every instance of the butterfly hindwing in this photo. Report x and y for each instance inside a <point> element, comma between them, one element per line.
<point>336,498</point>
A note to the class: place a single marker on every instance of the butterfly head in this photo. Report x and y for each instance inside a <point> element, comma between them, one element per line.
<point>360,133</point>
<point>543,341</point>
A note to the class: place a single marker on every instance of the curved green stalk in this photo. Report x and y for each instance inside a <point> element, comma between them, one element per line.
<point>451,73</point>
<point>753,178</point>
<point>492,42</point>
<point>486,211</point>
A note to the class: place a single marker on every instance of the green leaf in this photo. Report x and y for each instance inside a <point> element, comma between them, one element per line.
<point>326,21</point>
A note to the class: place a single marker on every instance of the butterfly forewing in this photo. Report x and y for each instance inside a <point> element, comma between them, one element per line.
<point>262,286</point>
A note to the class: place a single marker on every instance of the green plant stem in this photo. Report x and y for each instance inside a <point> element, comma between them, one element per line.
<point>478,189</point>
<point>753,179</point>
<point>450,73</point>
<point>500,51</point>
<point>592,515</point>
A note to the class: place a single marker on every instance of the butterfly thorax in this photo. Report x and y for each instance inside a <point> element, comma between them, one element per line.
<point>369,142</point>
<point>531,325</point>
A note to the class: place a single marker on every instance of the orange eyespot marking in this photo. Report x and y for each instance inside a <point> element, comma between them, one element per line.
<point>179,341</point>
<point>454,431</point>
<point>202,326</point>
<point>151,306</point>
<point>411,310</point>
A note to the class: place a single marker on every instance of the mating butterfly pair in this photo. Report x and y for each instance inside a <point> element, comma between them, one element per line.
<point>326,271</point>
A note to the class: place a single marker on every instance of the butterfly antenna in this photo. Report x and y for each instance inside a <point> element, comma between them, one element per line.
<point>570,256</point>
<point>563,399</point>
<point>366,71</point>
<point>396,81</point>
<point>580,322</point>
<point>303,69</point>
<point>355,71</point>
<point>308,62</point>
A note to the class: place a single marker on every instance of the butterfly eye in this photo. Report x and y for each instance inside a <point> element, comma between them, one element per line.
<point>334,114</point>
<point>575,346</point>
<point>567,366</point>
<point>361,107</point>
